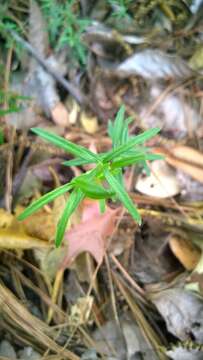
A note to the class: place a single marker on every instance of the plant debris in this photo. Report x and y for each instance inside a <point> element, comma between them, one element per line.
<point>115,89</point>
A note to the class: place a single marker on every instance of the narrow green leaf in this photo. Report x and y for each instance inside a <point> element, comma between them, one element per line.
<point>80,162</point>
<point>134,140</point>
<point>93,190</point>
<point>67,145</point>
<point>1,137</point>
<point>50,196</point>
<point>75,198</point>
<point>151,156</point>
<point>126,161</point>
<point>122,195</point>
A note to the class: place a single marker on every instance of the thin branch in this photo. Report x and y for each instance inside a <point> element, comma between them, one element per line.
<point>74,91</point>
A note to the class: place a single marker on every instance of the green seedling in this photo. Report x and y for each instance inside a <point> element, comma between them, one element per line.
<point>65,26</point>
<point>105,180</point>
<point>120,8</point>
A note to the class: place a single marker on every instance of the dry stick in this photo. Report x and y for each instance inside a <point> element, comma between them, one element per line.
<point>9,171</point>
<point>19,177</point>
<point>65,83</point>
<point>128,277</point>
<point>112,290</point>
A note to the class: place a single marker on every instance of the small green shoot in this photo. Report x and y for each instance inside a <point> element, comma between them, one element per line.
<point>105,180</point>
<point>65,26</point>
<point>120,8</point>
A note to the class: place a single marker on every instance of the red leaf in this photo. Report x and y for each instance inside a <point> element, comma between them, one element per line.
<point>91,234</point>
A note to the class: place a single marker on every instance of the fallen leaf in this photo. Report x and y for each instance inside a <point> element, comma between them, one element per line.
<point>60,115</point>
<point>186,252</point>
<point>186,159</point>
<point>13,234</point>
<point>153,64</point>
<point>91,234</point>
<point>41,225</point>
<point>49,260</point>
<point>89,123</point>
<point>11,239</point>
<point>173,113</point>
<point>73,110</point>
<point>80,312</point>
<point>161,182</point>
<point>183,312</point>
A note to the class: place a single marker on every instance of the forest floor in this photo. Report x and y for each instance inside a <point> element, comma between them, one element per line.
<point>114,289</point>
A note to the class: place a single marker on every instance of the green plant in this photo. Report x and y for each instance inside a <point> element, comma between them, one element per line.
<point>9,22</point>
<point>65,26</point>
<point>12,100</point>
<point>120,8</point>
<point>126,150</point>
<point>1,137</point>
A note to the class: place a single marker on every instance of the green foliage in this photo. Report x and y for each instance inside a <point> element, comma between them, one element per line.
<point>126,150</point>
<point>65,26</point>
<point>120,8</point>
<point>8,22</point>
<point>12,100</point>
<point>1,137</point>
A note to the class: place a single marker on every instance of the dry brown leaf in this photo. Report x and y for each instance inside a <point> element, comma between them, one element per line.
<point>186,159</point>
<point>186,252</point>
<point>11,239</point>
<point>60,115</point>
<point>13,234</point>
<point>186,153</point>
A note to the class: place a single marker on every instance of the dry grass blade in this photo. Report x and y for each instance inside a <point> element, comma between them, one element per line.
<point>41,333</point>
<point>144,325</point>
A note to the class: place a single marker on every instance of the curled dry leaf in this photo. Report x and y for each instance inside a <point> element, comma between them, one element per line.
<point>162,181</point>
<point>13,235</point>
<point>186,159</point>
<point>186,252</point>
<point>153,63</point>
<point>172,112</point>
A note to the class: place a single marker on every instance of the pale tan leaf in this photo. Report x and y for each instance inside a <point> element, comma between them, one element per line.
<point>60,115</point>
<point>89,123</point>
<point>162,181</point>
<point>186,252</point>
<point>186,159</point>
<point>11,239</point>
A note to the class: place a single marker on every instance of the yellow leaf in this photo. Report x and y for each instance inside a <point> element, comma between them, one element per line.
<point>89,123</point>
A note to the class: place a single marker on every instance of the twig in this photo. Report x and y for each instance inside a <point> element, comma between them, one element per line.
<point>65,83</point>
<point>19,177</point>
<point>9,171</point>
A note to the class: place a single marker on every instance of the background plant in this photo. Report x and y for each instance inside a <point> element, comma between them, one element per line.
<point>65,26</point>
<point>120,8</point>
<point>105,180</point>
<point>12,100</point>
